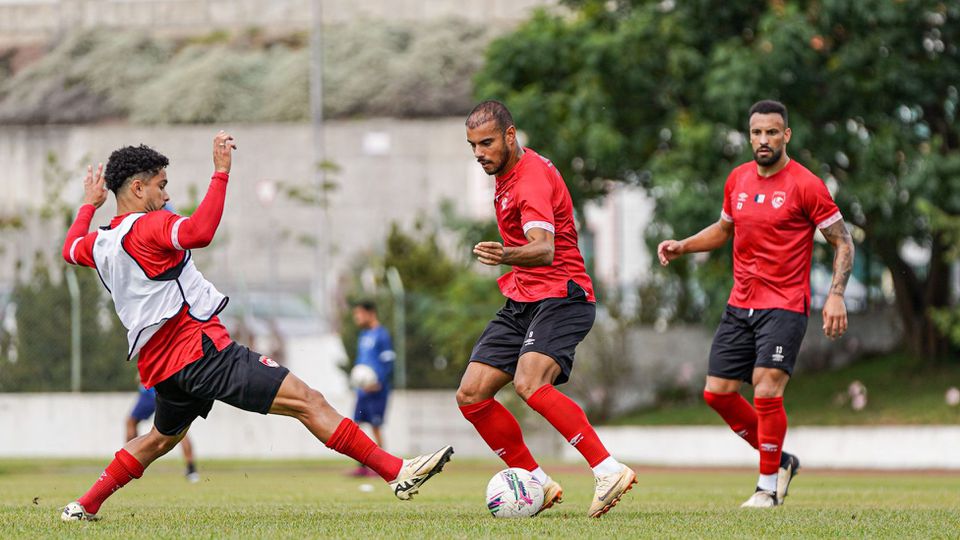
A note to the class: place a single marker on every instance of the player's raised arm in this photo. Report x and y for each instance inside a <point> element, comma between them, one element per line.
<point>710,238</point>
<point>75,249</point>
<point>834,309</point>
<point>198,230</point>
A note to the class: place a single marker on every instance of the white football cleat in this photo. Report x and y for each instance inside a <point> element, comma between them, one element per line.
<point>761,499</point>
<point>193,477</point>
<point>75,512</point>
<point>609,488</point>
<point>418,470</point>
<point>789,466</point>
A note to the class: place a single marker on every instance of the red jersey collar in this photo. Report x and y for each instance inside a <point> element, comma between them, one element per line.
<point>507,176</point>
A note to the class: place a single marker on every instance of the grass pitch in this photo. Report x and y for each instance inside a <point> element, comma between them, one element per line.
<point>285,499</point>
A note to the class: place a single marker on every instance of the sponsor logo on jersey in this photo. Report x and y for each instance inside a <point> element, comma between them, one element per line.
<point>267,361</point>
<point>740,199</point>
<point>779,197</point>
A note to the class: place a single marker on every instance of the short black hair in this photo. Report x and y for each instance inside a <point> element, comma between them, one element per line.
<point>129,161</point>
<point>488,110</point>
<point>769,106</point>
<point>366,305</point>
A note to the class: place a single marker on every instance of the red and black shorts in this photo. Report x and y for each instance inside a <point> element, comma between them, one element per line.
<point>236,376</point>
<point>553,326</point>
<point>749,338</point>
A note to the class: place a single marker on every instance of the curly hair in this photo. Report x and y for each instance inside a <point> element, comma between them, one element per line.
<point>130,161</point>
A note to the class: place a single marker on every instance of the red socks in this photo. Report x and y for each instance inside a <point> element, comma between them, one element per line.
<point>118,473</point>
<point>772,428</point>
<point>736,412</point>
<point>351,441</point>
<point>500,430</point>
<point>568,418</point>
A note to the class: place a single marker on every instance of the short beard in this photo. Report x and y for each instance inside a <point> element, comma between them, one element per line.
<point>768,161</point>
<point>504,158</point>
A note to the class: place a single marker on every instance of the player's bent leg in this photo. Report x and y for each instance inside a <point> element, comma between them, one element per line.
<point>534,383</point>
<point>128,464</point>
<point>723,396</point>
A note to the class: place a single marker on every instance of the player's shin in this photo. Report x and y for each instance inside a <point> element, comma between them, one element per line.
<point>118,473</point>
<point>501,431</point>
<point>351,441</point>
<point>772,429</point>
<point>569,419</point>
<point>736,412</point>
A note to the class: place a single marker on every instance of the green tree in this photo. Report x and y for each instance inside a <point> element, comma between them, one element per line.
<point>655,93</point>
<point>447,303</point>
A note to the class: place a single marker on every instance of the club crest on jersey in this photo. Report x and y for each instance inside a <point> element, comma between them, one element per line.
<point>503,202</point>
<point>779,197</point>
<point>268,362</point>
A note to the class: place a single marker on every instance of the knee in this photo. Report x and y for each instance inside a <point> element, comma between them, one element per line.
<point>767,390</point>
<point>527,386</point>
<point>161,444</point>
<point>468,395</point>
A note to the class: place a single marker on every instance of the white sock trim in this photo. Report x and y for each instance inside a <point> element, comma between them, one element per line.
<point>607,466</point>
<point>540,476</point>
<point>767,482</point>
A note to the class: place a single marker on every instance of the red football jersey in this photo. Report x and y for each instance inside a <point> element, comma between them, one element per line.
<point>533,194</point>
<point>150,243</point>
<point>774,220</point>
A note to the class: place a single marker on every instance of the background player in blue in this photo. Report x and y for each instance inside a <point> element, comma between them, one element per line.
<point>144,408</point>
<point>374,349</point>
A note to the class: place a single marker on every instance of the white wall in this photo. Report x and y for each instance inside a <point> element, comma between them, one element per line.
<point>91,425</point>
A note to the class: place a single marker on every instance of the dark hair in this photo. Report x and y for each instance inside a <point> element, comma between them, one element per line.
<point>769,106</point>
<point>366,305</point>
<point>130,161</point>
<point>489,110</point>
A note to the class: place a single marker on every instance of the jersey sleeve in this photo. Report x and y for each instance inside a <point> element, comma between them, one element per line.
<point>535,201</point>
<point>726,212</point>
<point>819,205</point>
<point>78,246</point>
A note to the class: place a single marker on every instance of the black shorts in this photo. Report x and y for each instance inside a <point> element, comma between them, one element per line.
<point>236,376</point>
<point>553,326</point>
<point>749,338</point>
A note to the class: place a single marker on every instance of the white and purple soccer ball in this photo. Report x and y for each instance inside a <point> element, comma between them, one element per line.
<point>514,493</point>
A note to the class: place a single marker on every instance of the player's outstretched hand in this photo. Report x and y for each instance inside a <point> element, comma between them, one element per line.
<point>669,250</point>
<point>834,316</point>
<point>489,253</point>
<point>223,147</point>
<point>94,190</point>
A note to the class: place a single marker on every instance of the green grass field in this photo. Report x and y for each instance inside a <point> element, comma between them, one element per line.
<point>899,392</point>
<point>314,500</point>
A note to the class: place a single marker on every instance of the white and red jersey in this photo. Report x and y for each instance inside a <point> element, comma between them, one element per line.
<point>533,195</point>
<point>155,248</point>
<point>774,220</point>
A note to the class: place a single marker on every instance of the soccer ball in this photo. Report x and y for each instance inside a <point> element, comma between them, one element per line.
<point>514,493</point>
<point>363,377</point>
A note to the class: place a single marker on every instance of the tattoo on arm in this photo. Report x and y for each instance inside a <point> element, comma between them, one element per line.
<point>839,237</point>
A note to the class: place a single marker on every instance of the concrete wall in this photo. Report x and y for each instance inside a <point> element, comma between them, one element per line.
<point>91,425</point>
<point>390,170</point>
<point>38,20</point>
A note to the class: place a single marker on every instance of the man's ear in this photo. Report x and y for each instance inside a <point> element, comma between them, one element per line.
<point>511,135</point>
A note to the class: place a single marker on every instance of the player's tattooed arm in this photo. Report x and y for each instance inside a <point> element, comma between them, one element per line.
<point>839,237</point>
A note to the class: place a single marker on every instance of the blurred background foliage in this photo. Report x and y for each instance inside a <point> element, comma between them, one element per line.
<point>371,68</point>
<point>655,93</point>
